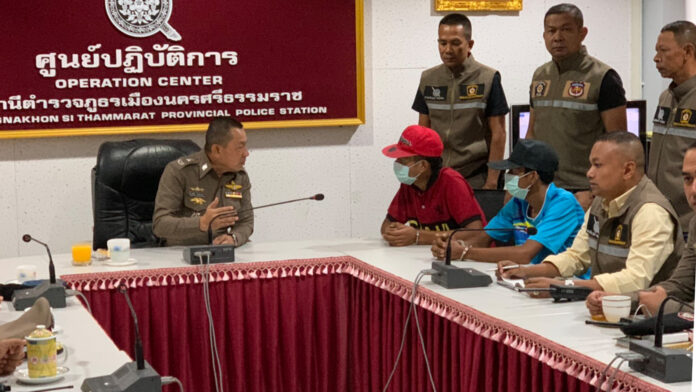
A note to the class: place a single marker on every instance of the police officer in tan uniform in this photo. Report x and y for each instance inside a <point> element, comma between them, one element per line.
<point>574,98</point>
<point>464,102</point>
<point>207,188</point>
<point>674,124</point>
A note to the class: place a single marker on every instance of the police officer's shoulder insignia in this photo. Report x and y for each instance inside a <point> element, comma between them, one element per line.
<point>183,161</point>
<point>619,235</point>
<point>685,118</point>
<point>576,89</point>
<point>540,88</point>
<point>435,93</point>
<point>471,91</point>
<point>661,115</point>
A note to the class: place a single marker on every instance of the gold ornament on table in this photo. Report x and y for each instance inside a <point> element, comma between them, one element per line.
<point>478,5</point>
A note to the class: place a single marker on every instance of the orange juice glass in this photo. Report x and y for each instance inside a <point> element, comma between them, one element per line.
<point>82,254</point>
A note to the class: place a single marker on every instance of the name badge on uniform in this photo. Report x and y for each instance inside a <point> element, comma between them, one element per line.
<point>684,118</point>
<point>233,195</point>
<point>592,226</point>
<point>471,91</point>
<point>661,115</point>
<point>540,88</point>
<point>576,89</point>
<point>619,235</point>
<point>435,93</point>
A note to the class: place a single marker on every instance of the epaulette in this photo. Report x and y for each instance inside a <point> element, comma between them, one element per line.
<point>185,161</point>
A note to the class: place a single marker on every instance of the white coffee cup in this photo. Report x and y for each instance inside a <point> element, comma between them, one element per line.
<point>26,272</point>
<point>615,307</point>
<point>119,250</point>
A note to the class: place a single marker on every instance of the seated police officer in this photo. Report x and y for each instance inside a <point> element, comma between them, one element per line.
<point>431,198</point>
<point>207,188</point>
<point>536,202</point>
<point>681,283</point>
<point>631,237</point>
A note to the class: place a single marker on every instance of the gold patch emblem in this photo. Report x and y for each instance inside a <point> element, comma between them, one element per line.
<point>471,90</point>
<point>197,189</point>
<point>540,88</point>
<point>685,116</point>
<point>233,186</point>
<point>197,200</point>
<point>576,89</point>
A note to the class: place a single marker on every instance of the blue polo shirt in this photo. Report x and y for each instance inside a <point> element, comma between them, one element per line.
<point>557,223</point>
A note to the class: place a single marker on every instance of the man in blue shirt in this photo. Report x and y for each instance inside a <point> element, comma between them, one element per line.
<point>536,202</point>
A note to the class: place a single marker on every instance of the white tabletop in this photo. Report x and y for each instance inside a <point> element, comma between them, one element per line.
<point>563,323</point>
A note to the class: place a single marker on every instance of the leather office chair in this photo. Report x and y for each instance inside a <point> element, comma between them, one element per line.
<point>124,186</point>
<point>490,200</point>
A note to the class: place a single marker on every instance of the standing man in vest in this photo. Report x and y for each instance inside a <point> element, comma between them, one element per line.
<point>574,99</point>
<point>463,100</point>
<point>674,125</point>
<point>631,237</point>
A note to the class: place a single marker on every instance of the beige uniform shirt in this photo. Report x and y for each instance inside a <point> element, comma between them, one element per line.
<point>651,244</point>
<point>188,185</point>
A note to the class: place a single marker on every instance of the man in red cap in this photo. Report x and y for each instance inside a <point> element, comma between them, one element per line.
<point>431,199</point>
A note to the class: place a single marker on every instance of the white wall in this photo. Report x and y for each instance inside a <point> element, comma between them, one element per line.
<point>46,187</point>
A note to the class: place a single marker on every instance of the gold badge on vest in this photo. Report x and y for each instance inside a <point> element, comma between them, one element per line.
<point>540,88</point>
<point>619,235</point>
<point>685,118</point>
<point>471,91</point>
<point>661,115</point>
<point>576,89</point>
<point>435,93</point>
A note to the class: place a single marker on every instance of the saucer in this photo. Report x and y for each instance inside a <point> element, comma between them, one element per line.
<point>130,261</point>
<point>23,376</point>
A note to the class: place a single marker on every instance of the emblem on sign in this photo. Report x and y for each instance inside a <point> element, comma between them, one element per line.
<point>576,89</point>
<point>142,18</point>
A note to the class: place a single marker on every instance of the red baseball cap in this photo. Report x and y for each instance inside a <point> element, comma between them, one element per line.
<point>415,140</point>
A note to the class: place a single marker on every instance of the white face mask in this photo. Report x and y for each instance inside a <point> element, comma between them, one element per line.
<point>401,172</point>
<point>512,182</point>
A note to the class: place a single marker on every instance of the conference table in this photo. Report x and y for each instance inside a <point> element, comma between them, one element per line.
<point>325,315</point>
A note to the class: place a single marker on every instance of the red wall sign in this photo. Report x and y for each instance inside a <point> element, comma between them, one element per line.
<point>136,66</point>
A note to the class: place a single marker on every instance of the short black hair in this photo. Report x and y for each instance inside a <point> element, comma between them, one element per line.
<point>684,32</point>
<point>630,144</point>
<point>458,20</point>
<point>567,8</point>
<point>219,131</point>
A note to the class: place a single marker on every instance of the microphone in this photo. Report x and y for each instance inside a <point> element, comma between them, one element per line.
<point>138,339</point>
<point>52,290</point>
<point>51,267</point>
<point>453,277</point>
<point>225,253</point>
<point>665,364</point>
<point>317,197</point>
<point>138,376</point>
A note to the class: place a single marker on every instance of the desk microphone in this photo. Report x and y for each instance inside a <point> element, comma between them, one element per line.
<point>225,253</point>
<point>136,376</point>
<point>452,277</point>
<point>52,290</point>
<point>665,364</point>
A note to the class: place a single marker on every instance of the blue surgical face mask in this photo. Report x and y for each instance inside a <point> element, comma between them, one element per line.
<point>512,185</point>
<point>401,172</point>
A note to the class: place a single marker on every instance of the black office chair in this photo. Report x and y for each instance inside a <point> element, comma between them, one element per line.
<point>490,200</point>
<point>124,186</point>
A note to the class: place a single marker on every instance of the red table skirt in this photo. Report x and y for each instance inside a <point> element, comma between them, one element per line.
<point>326,325</point>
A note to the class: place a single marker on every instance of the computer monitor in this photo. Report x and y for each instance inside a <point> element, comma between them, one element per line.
<point>635,117</point>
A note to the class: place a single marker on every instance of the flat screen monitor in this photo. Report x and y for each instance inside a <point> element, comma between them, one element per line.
<point>635,117</point>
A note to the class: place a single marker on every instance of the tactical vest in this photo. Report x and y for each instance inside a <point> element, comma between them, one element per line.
<point>674,130</point>
<point>457,111</point>
<point>566,116</point>
<point>610,238</point>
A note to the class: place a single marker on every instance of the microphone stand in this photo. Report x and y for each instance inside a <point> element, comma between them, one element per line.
<point>665,364</point>
<point>53,290</point>
<point>137,376</point>
<point>453,277</point>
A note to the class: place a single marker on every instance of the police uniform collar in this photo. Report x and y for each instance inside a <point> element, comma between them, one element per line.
<point>680,90</point>
<point>468,63</point>
<point>617,206</point>
<point>571,61</point>
<point>204,164</point>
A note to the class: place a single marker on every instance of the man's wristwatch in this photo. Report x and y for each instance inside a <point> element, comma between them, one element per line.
<point>569,282</point>
<point>232,234</point>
